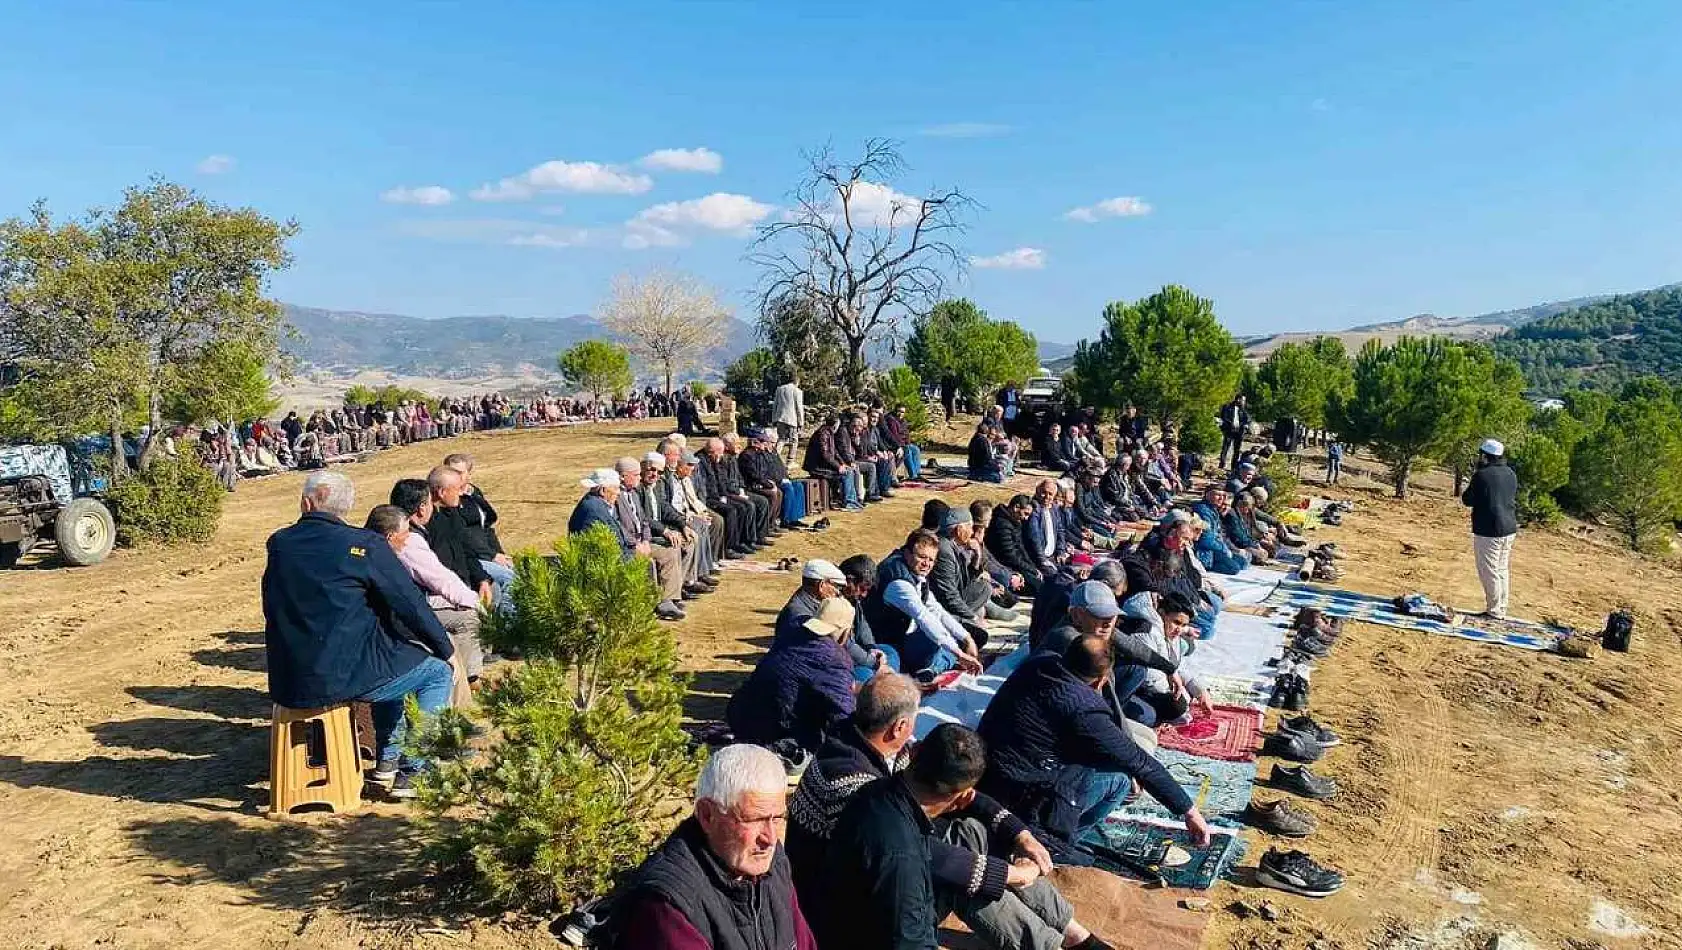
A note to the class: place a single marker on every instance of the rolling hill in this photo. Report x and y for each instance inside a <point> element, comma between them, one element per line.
<point>341,343</point>
<point>1601,345</point>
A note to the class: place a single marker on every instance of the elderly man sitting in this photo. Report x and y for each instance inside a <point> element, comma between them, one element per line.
<point>599,506</point>
<point>721,880</point>
<point>959,583</point>
<point>333,597</point>
<point>456,604</point>
<point>803,686</point>
<point>668,527</point>
<point>984,862</point>
<point>1214,549</point>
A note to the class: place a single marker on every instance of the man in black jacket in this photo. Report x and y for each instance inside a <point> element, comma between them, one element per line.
<point>1493,496</point>
<point>764,474</point>
<point>1235,424</point>
<point>1006,543</point>
<point>983,464</point>
<point>878,885</point>
<point>712,479</point>
<point>334,598</point>
<point>722,879</point>
<point>1059,756</point>
<point>764,515</point>
<point>482,540</point>
<point>448,530</point>
<point>984,862</point>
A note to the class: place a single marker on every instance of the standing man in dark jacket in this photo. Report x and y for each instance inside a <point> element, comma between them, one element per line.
<point>721,881</point>
<point>334,597</point>
<point>1059,756</point>
<point>1235,423</point>
<point>1493,497</point>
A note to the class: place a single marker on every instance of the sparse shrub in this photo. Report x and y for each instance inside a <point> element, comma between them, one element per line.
<point>901,386</point>
<point>172,499</point>
<point>592,763</point>
<point>1286,485</point>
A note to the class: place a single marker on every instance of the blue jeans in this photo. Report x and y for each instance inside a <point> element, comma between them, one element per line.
<point>501,576</point>
<point>1100,794</point>
<point>913,462</point>
<point>850,485</point>
<point>993,478</point>
<point>864,674</point>
<point>794,500</point>
<point>431,681</point>
<point>1205,619</point>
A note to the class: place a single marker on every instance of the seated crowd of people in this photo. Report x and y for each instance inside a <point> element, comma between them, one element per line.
<point>886,836</point>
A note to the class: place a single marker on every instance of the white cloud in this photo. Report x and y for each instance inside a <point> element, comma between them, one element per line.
<point>1022,258</point>
<point>1321,105</point>
<point>684,160</point>
<point>420,195</point>
<point>877,205</point>
<point>583,177</point>
<point>507,231</point>
<point>966,130</point>
<point>719,211</point>
<point>215,165</point>
<point>1126,207</point>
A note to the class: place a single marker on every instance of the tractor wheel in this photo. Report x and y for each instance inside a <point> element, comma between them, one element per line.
<point>85,531</point>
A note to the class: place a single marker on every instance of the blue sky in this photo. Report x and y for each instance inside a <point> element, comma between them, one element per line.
<point>1307,165</point>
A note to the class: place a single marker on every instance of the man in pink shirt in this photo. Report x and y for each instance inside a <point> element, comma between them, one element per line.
<point>456,604</point>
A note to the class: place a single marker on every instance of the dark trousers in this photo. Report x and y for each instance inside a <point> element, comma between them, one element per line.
<point>737,517</point>
<point>1234,443</point>
<point>759,516</point>
<point>773,497</point>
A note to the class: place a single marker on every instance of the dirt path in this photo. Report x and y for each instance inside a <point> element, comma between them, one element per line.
<point>133,728</point>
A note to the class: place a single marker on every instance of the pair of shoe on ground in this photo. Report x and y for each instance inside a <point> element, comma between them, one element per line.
<point>1300,740</point>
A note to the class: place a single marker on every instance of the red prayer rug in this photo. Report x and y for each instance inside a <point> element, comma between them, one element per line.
<point>1233,734</point>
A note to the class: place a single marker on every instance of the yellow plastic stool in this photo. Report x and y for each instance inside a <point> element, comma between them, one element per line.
<point>293,782</point>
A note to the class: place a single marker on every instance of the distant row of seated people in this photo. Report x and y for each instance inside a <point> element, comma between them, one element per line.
<point>862,452</point>
<point>690,512</point>
<point>388,611</point>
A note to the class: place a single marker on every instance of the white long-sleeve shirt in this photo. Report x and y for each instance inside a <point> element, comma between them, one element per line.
<point>927,614</point>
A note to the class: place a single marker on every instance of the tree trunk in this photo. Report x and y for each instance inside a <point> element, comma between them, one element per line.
<point>1402,471</point>
<point>1459,479</point>
<point>668,382</point>
<point>855,366</point>
<point>119,460</point>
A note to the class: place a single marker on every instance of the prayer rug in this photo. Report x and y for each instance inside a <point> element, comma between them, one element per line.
<point>1293,596</point>
<point>1241,647</point>
<point>967,699</point>
<point>1251,691</point>
<point>1135,837</point>
<point>1233,734</point>
<point>756,567</point>
<point>1220,789</point>
<point>943,485</point>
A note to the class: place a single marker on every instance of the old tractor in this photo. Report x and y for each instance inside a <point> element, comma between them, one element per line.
<point>49,491</point>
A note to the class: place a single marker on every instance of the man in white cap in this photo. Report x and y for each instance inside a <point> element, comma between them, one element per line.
<point>820,581</point>
<point>802,688</point>
<point>598,507</point>
<point>1493,496</point>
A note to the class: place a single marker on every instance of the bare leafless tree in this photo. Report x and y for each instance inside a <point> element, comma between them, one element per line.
<point>865,255</point>
<point>668,320</point>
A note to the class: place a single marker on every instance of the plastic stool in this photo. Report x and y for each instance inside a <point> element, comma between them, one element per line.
<point>336,781</point>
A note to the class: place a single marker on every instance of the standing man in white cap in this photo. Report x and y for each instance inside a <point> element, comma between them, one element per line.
<point>1492,496</point>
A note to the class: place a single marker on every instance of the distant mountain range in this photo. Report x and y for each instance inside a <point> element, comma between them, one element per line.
<point>345,342</point>
<point>1481,327</point>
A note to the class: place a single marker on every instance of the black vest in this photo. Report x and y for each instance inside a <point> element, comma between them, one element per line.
<point>887,622</point>
<point>729,914</point>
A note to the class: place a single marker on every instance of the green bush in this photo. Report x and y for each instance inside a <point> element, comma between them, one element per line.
<point>592,764</point>
<point>902,387</point>
<point>1285,483</point>
<point>173,499</point>
<point>1542,467</point>
<point>1200,433</point>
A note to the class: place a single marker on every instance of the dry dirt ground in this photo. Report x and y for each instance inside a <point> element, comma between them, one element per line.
<point>1485,788</point>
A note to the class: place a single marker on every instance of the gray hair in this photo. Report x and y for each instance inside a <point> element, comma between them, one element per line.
<point>330,492</point>
<point>884,700</point>
<point>460,461</point>
<point>738,770</point>
<point>442,476</point>
<point>627,464</point>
